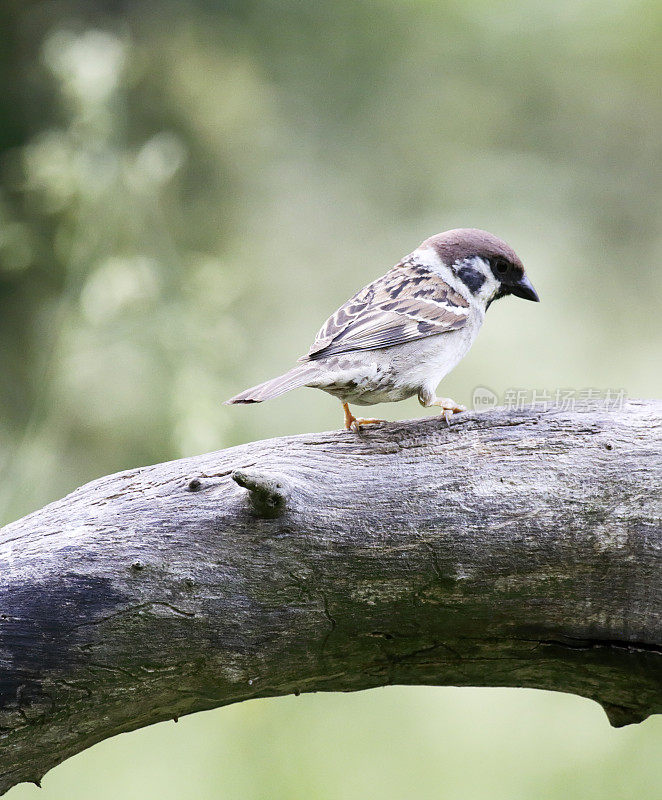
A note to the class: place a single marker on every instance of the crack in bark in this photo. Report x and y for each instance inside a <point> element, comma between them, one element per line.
<point>132,610</point>
<point>592,644</point>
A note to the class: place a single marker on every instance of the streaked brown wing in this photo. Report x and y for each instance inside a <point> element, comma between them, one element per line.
<point>409,302</point>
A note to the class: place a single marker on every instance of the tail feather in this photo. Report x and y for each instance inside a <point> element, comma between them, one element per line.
<point>298,376</point>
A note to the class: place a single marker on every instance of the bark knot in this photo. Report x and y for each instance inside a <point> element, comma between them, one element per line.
<point>268,494</point>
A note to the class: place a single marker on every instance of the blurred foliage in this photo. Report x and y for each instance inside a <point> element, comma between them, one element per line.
<point>188,189</point>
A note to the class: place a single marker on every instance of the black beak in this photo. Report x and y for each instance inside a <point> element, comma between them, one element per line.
<point>524,288</point>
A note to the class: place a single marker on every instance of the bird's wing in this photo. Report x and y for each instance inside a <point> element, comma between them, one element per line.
<point>409,302</point>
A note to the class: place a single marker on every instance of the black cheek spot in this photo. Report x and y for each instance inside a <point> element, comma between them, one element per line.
<point>472,278</point>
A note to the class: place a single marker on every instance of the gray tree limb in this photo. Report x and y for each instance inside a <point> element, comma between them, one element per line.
<point>511,549</point>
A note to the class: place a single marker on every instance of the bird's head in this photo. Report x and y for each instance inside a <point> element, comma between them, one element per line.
<point>485,264</point>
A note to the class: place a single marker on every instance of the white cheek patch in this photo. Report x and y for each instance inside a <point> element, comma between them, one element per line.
<point>488,289</point>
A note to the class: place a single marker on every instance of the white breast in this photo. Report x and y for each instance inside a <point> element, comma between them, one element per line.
<point>424,363</point>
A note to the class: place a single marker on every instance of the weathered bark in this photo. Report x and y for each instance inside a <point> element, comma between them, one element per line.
<point>511,549</point>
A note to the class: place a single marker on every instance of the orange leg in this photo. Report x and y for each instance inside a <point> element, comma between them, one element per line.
<point>354,423</point>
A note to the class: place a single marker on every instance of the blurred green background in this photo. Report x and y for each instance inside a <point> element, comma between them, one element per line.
<point>188,189</point>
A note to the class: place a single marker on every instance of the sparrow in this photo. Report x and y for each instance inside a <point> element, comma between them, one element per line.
<point>402,333</point>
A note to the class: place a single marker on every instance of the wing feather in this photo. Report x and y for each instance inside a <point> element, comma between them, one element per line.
<point>410,302</point>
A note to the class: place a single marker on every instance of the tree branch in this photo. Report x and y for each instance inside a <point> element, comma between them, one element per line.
<point>511,549</point>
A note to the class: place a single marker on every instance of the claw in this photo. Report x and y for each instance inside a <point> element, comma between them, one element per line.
<point>448,406</point>
<point>358,421</point>
<point>354,423</point>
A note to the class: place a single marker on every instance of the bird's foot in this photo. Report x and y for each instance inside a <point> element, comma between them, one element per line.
<point>358,421</point>
<point>448,407</point>
<point>354,423</point>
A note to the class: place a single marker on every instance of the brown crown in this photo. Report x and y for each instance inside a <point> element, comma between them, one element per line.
<point>461,243</point>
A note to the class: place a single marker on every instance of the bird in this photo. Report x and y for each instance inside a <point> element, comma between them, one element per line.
<point>401,334</point>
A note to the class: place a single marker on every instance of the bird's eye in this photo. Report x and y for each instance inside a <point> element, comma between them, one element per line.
<point>501,267</point>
